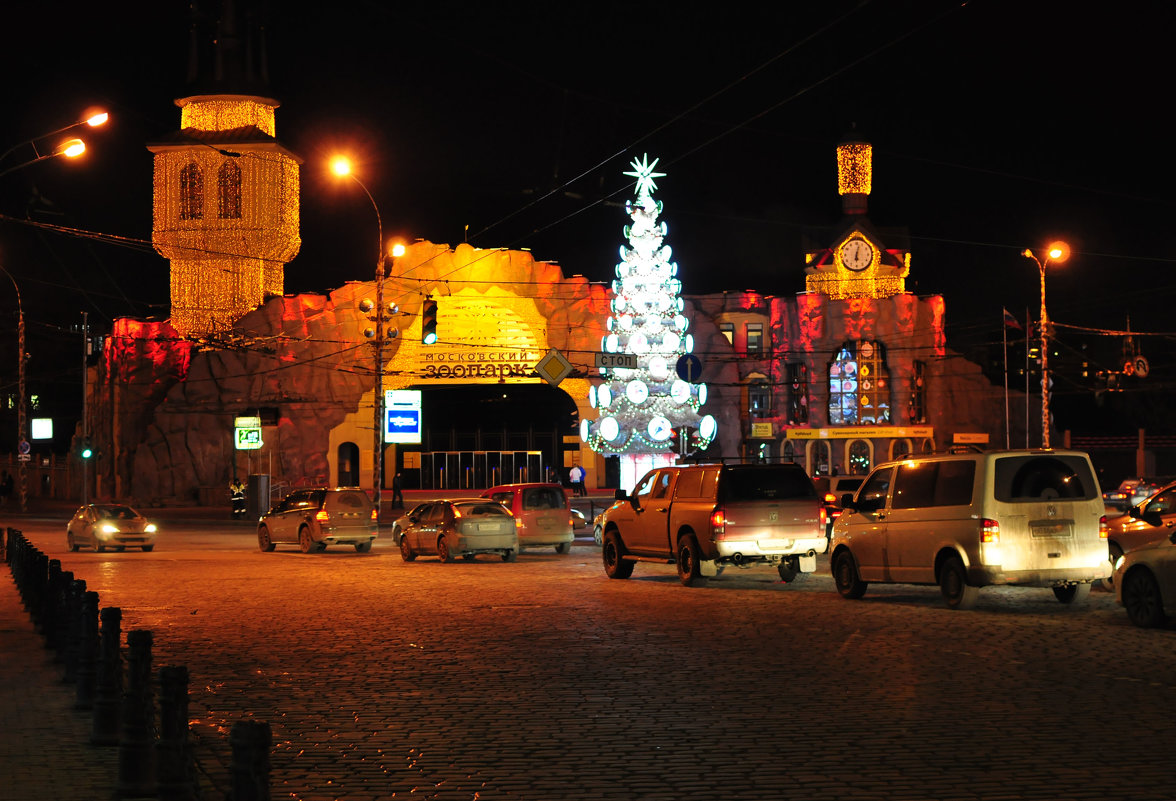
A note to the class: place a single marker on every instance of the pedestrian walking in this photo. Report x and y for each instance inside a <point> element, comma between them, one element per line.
<point>397,492</point>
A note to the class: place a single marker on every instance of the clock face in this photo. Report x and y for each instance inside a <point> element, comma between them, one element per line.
<point>659,429</point>
<point>856,254</point>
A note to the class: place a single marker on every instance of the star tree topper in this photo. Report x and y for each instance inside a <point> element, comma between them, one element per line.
<point>643,172</point>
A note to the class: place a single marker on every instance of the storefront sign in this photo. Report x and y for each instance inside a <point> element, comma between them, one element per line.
<point>861,432</point>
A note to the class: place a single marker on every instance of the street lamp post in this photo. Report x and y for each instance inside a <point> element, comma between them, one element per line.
<point>342,167</point>
<point>70,148</point>
<point>1057,252</point>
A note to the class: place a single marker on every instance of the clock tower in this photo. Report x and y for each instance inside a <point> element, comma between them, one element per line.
<point>226,192</point>
<point>858,265</point>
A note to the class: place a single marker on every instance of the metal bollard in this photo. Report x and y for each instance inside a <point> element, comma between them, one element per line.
<point>87,651</point>
<point>52,602</point>
<point>177,773</point>
<point>108,700</point>
<point>63,622</point>
<point>71,651</point>
<point>250,768</point>
<point>136,746</point>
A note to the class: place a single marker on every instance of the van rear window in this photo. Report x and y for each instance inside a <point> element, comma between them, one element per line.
<point>543,498</point>
<point>349,500</point>
<point>766,484</point>
<point>1036,478</point>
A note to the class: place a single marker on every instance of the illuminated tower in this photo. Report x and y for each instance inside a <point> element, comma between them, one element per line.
<point>226,193</point>
<point>642,409</point>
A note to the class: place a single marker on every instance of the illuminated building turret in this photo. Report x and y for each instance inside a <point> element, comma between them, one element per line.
<point>226,198</point>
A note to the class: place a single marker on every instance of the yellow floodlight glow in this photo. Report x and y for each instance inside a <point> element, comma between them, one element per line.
<point>1058,251</point>
<point>72,148</point>
<point>397,250</point>
<point>341,166</point>
<point>96,119</point>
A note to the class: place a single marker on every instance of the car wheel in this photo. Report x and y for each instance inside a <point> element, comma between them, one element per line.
<point>687,561</point>
<point>443,552</point>
<point>264,542</point>
<point>305,541</point>
<point>511,556</point>
<point>598,535</point>
<point>73,544</point>
<point>563,547</point>
<point>1141,597</point>
<point>363,547</point>
<point>788,571</point>
<point>1070,593</point>
<point>845,576</point>
<point>613,552</point>
<point>953,583</point>
<point>406,552</point>
<point>148,548</point>
<point>1116,554</point>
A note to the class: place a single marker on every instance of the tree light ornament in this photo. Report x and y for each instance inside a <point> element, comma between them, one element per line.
<point>647,405</point>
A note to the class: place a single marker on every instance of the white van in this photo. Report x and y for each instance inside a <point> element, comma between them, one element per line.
<point>970,520</point>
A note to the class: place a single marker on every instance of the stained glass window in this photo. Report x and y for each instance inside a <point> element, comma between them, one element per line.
<point>859,385</point>
<point>191,192</point>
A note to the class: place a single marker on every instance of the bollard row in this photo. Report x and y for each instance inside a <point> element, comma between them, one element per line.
<point>152,763</point>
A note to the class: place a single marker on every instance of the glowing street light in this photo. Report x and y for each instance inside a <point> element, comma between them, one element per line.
<point>1056,252</point>
<point>70,148</point>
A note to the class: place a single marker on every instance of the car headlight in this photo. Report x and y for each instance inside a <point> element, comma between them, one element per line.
<point>149,528</point>
<point>1118,562</point>
<point>108,528</point>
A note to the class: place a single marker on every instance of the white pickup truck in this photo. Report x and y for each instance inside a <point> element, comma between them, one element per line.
<point>704,517</point>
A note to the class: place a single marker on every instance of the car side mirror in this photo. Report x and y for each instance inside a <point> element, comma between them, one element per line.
<point>847,502</point>
<point>1133,512</point>
<point>1152,518</point>
<point>620,495</point>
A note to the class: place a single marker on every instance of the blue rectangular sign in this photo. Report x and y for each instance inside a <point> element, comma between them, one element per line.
<point>403,425</point>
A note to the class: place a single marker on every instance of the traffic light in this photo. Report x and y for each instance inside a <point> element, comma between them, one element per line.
<point>86,450</point>
<point>429,321</point>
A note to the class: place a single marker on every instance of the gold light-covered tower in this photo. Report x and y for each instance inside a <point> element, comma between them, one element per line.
<point>854,174</point>
<point>226,209</point>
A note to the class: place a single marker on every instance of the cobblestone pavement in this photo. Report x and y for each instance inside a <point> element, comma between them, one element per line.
<point>545,680</point>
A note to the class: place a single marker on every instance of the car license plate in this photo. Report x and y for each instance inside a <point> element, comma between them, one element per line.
<point>1050,530</point>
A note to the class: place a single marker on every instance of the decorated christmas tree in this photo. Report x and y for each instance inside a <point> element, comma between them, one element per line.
<point>647,411</point>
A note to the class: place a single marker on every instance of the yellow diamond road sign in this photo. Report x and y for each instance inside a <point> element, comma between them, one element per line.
<point>553,367</point>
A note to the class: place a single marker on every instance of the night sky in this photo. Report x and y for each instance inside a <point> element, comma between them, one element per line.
<point>997,125</point>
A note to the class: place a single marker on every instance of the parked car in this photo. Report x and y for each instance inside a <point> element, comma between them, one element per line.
<point>1151,520</point>
<point>318,517</point>
<point>705,517</point>
<point>402,522</point>
<point>579,521</point>
<point>109,525</point>
<point>972,519</point>
<point>598,526</point>
<point>462,528</point>
<point>1133,491</point>
<point>1145,580</point>
<point>541,512</point>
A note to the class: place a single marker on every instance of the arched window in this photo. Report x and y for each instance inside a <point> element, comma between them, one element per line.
<point>859,386</point>
<point>900,448</point>
<point>861,456</point>
<point>191,192</point>
<point>228,182</point>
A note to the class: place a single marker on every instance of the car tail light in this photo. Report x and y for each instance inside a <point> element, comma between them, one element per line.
<point>830,497</point>
<point>718,520</point>
<point>824,518</point>
<point>1104,530</point>
<point>456,513</point>
<point>375,515</point>
<point>322,515</point>
<point>989,531</point>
